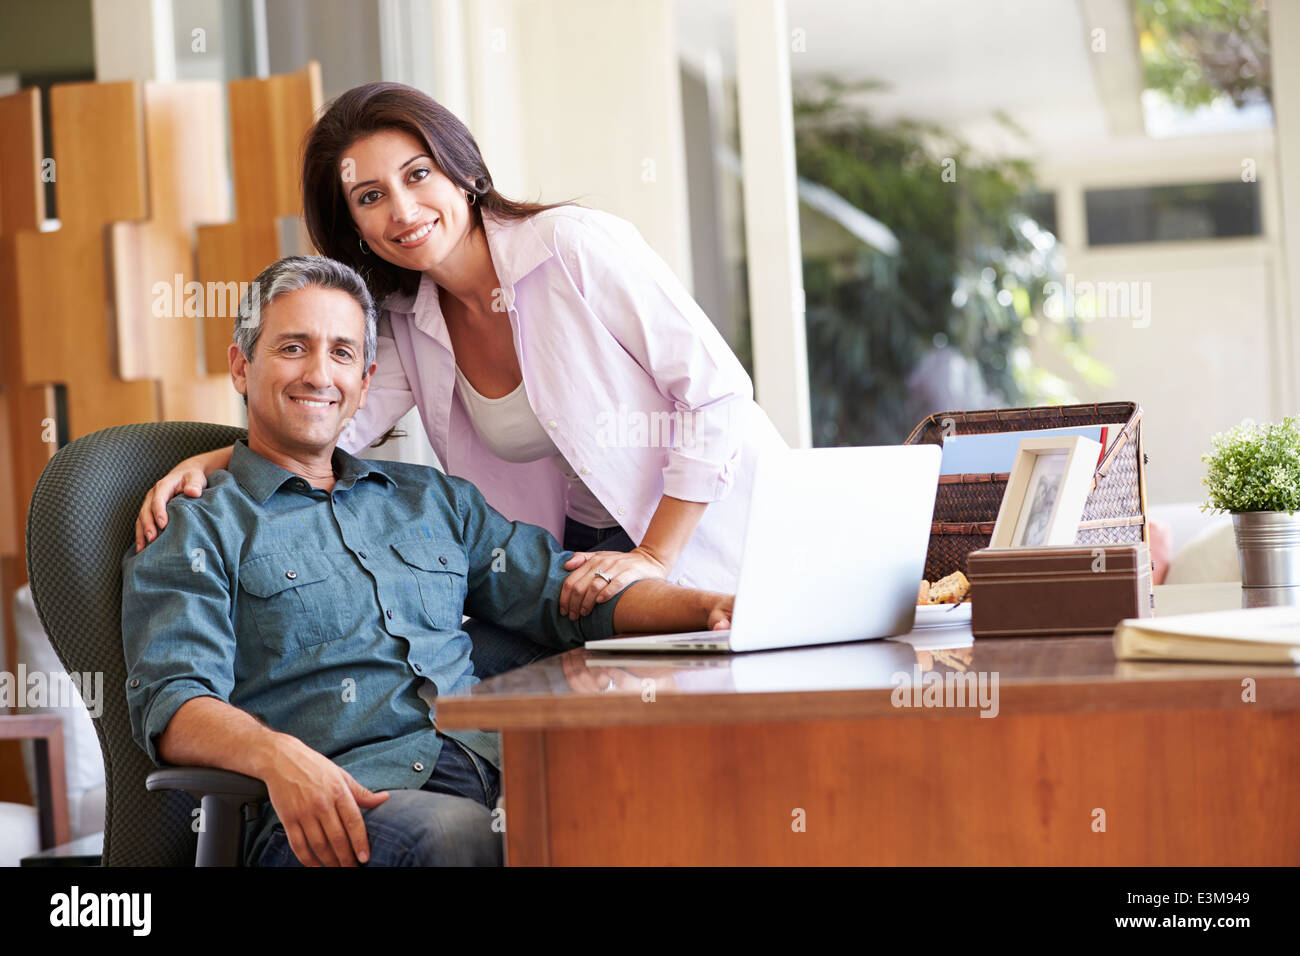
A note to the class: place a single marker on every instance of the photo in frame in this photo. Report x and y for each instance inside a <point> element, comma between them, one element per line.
<point>1046,492</point>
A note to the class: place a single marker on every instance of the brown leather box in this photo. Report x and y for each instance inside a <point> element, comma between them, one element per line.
<point>1058,591</point>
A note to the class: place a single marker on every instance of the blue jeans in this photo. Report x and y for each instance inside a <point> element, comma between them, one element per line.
<point>447,822</point>
<point>497,650</point>
<point>582,537</point>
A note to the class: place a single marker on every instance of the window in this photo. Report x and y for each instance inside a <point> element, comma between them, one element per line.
<point>1172,213</point>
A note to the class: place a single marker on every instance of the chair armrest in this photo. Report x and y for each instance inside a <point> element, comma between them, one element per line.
<point>203,781</point>
<point>229,800</point>
<point>46,733</point>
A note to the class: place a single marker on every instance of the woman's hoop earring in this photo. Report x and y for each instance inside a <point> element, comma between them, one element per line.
<point>470,197</point>
<point>365,249</point>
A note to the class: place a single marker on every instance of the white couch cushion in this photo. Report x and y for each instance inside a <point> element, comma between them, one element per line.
<point>20,832</point>
<point>83,762</point>
<point>1209,556</point>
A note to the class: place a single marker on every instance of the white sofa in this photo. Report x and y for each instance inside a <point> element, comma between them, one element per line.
<point>83,761</point>
<point>1203,548</point>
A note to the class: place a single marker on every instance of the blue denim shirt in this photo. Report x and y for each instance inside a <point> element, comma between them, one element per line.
<point>335,617</point>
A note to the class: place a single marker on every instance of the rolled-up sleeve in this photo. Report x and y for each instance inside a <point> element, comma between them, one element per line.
<point>516,571</point>
<point>388,399</point>
<point>634,293</point>
<point>177,633</point>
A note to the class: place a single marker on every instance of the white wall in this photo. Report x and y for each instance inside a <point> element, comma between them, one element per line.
<point>1206,356</point>
<point>1284,32</point>
<point>342,34</point>
<point>1199,367</point>
<point>582,99</point>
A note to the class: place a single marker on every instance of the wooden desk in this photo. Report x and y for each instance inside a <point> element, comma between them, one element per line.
<point>717,760</point>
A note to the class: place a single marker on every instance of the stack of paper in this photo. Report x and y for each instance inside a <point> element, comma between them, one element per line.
<point>1260,635</point>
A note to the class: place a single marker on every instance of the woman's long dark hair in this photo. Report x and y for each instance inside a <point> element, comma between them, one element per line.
<point>370,109</point>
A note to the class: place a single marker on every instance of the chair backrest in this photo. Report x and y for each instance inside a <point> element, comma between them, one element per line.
<point>79,525</point>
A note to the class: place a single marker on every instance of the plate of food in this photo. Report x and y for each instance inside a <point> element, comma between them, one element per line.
<point>943,603</point>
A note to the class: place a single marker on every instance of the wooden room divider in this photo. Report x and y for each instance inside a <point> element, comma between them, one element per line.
<point>268,121</point>
<point>100,309</point>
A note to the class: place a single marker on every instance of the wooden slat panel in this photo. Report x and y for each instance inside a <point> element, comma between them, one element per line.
<point>66,330</point>
<point>25,408</point>
<point>29,432</point>
<point>28,409</point>
<point>97,130</point>
<point>22,198</point>
<point>268,121</point>
<point>232,252</point>
<point>157,339</point>
<point>63,304</point>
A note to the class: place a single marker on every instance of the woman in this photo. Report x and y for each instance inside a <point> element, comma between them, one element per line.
<point>555,360</point>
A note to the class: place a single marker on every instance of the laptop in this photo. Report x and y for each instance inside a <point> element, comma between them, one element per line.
<point>834,551</point>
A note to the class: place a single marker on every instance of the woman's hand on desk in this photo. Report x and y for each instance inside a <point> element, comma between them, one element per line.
<point>584,589</point>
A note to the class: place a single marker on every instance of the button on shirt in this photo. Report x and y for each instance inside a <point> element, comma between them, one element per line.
<point>335,617</point>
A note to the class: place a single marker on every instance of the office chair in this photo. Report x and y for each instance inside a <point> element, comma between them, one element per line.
<point>79,525</point>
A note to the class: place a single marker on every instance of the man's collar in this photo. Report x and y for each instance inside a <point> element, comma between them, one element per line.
<point>261,478</point>
<point>517,249</point>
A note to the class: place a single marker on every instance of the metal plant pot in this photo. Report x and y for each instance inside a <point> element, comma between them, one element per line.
<point>1268,549</point>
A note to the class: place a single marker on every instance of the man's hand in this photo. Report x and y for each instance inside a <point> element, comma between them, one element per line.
<point>583,589</point>
<point>720,613</point>
<point>319,805</point>
<point>657,607</point>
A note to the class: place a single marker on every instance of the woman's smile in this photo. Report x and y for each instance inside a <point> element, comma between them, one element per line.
<point>415,237</point>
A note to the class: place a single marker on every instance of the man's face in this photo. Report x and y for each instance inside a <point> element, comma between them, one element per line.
<point>305,379</point>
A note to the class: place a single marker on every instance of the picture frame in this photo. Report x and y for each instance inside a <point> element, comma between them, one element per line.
<point>1046,492</point>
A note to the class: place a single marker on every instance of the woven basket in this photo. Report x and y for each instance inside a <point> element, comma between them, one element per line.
<point>966,506</point>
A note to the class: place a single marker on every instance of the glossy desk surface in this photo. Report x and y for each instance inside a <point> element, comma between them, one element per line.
<point>846,681</point>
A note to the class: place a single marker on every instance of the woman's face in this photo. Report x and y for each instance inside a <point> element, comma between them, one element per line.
<point>405,209</point>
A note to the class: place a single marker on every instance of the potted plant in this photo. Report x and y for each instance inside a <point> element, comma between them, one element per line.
<point>1254,473</point>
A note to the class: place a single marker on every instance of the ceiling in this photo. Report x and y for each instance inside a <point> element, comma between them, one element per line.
<point>957,62</point>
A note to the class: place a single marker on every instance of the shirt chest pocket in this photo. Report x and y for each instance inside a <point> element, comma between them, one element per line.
<point>291,595</point>
<point>439,574</point>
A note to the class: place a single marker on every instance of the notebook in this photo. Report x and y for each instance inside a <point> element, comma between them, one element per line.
<point>1259,635</point>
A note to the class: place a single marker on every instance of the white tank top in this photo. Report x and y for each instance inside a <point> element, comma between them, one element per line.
<point>510,430</point>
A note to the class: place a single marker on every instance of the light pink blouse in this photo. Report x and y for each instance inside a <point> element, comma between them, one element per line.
<point>632,381</point>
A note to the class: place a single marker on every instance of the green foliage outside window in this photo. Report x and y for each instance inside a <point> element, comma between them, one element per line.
<point>1195,51</point>
<point>970,273</point>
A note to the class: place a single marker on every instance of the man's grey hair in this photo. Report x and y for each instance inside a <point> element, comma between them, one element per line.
<point>298,272</point>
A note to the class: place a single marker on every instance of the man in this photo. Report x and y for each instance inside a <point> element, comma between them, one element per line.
<point>297,622</point>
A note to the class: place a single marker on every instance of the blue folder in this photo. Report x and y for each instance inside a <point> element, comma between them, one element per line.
<point>996,452</point>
